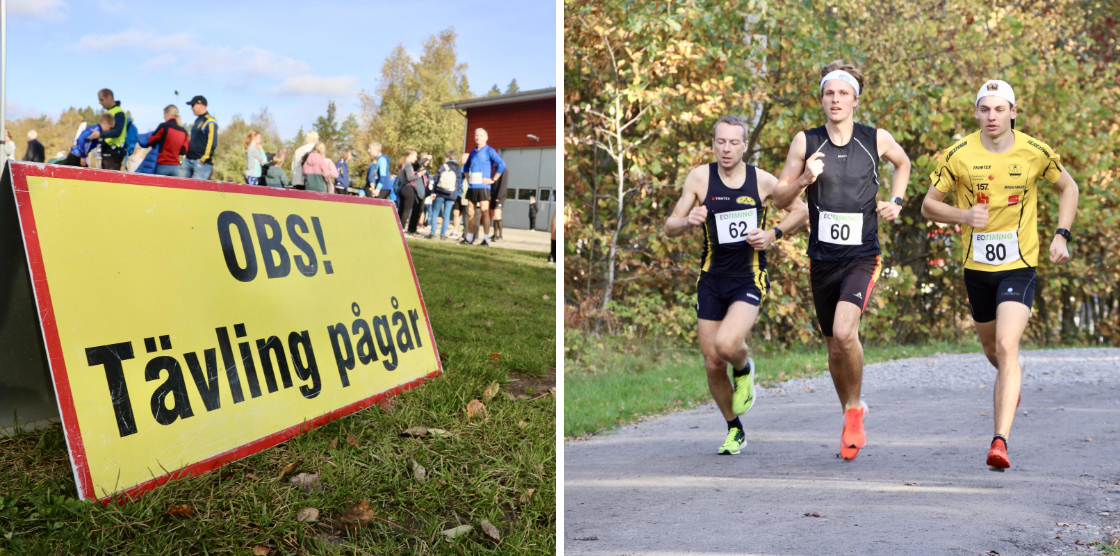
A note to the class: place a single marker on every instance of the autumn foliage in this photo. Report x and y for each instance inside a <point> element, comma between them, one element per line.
<point>645,81</point>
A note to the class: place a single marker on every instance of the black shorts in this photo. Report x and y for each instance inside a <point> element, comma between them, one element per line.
<point>835,281</point>
<point>714,293</point>
<point>477,196</point>
<point>986,290</point>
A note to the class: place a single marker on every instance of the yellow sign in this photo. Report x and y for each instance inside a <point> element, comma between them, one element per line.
<point>189,324</point>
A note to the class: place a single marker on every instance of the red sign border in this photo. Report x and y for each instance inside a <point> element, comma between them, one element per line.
<point>83,479</point>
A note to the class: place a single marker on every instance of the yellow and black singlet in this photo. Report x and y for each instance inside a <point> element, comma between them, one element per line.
<point>1007,183</point>
<point>732,213</point>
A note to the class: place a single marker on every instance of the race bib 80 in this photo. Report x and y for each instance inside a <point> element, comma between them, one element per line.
<point>995,248</point>
<point>732,227</point>
<point>842,228</point>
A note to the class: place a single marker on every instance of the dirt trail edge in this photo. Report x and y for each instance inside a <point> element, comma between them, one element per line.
<point>919,487</point>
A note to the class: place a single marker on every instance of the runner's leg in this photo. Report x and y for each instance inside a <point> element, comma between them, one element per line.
<point>734,331</point>
<point>845,354</point>
<point>987,333</point>
<point>1011,321</point>
<point>719,383</point>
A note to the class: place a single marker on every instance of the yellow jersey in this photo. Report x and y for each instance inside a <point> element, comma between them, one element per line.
<point>1007,183</point>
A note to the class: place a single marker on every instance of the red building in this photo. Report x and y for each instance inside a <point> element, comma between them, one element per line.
<point>522,127</point>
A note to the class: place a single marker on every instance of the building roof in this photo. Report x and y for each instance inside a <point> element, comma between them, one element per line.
<point>510,98</point>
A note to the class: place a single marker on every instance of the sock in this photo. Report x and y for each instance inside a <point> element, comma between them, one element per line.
<point>1000,437</point>
<point>746,370</point>
<point>470,237</point>
<point>485,237</point>
<point>734,423</point>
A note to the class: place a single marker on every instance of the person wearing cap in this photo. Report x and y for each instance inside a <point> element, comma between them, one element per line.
<point>199,163</point>
<point>839,165</point>
<point>994,174</point>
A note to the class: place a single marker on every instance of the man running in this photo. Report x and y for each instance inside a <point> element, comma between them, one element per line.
<point>839,164</point>
<point>994,172</point>
<point>726,198</point>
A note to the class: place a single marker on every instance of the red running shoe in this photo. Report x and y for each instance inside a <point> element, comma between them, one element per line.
<point>997,456</point>
<point>853,437</point>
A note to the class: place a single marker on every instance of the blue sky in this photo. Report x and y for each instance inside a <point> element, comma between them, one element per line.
<point>241,55</point>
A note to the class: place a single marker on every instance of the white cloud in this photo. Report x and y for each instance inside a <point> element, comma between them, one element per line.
<point>16,110</point>
<point>160,62</point>
<point>134,37</point>
<point>47,10</point>
<point>342,85</point>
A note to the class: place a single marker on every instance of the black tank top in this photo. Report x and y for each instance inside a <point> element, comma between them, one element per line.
<point>731,214</point>
<point>846,192</point>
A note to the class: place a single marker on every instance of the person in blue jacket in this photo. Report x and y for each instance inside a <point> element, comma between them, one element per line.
<point>84,144</point>
<point>343,166</point>
<point>378,176</point>
<point>483,168</point>
<point>148,165</point>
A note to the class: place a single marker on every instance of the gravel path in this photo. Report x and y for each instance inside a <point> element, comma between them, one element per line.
<point>919,487</point>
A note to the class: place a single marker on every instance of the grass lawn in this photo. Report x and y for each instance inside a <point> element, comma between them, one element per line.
<point>482,302</point>
<point>611,388</point>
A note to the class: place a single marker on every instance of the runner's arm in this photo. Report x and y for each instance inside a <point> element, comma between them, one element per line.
<point>798,214</point>
<point>936,209</point>
<point>679,221</point>
<point>892,151</point>
<point>1067,208</point>
<point>792,181</point>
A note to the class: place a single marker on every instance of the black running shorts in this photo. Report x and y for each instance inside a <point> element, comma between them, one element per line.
<point>986,290</point>
<point>477,196</point>
<point>714,293</point>
<point>835,281</point>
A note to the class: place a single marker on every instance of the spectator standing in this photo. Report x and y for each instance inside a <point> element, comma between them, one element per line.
<point>309,140</point>
<point>533,208</point>
<point>497,201</point>
<point>552,230</point>
<point>481,174</point>
<point>35,151</point>
<point>171,140</point>
<point>86,141</point>
<point>343,167</point>
<point>255,159</point>
<point>199,163</point>
<point>275,177</point>
<point>112,141</point>
<point>446,190</point>
<point>9,145</point>
<point>407,193</point>
<point>460,198</point>
<point>378,177</point>
<point>424,189</point>
<point>318,171</point>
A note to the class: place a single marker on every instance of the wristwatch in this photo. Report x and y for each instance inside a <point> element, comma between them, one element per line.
<point>777,233</point>
<point>897,201</point>
<point>1064,233</point>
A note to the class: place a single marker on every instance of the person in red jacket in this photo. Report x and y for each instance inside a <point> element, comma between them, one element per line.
<point>172,141</point>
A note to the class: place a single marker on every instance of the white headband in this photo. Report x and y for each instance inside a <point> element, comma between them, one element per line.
<point>842,76</point>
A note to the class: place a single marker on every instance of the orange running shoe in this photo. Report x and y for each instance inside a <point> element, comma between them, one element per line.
<point>853,437</point>
<point>997,456</point>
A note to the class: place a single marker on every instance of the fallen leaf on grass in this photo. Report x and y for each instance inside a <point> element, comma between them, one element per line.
<point>351,440</point>
<point>308,514</point>
<point>387,405</point>
<point>333,445</point>
<point>494,356</point>
<point>251,476</point>
<point>528,495</point>
<point>545,297</point>
<point>460,530</point>
<point>288,469</point>
<point>476,409</point>
<point>418,472</point>
<point>440,432</point>
<point>522,424</point>
<point>1060,524</point>
<point>261,551</point>
<point>490,530</point>
<point>491,391</point>
<point>307,483</point>
<point>181,509</point>
<point>333,540</point>
<point>442,355</point>
<point>415,431</point>
<point>358,514</point>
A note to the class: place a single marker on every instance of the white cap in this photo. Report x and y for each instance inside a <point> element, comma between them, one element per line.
<point>996,88</point>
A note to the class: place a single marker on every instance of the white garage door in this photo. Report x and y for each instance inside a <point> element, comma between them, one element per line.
<point>531,172</point>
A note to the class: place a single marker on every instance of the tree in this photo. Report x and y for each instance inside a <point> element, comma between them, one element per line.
<point>327,128</point>
<point>512,88</point>
<point>494,91</point>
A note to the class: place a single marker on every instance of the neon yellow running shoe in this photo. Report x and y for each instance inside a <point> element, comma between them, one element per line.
<point>743,400</point>
<point>735,442</point>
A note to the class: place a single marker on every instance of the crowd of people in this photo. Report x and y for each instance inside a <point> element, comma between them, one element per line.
<point>462,197</point>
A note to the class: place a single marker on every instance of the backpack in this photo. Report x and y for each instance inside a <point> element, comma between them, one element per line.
<point>131,138</point>
<point>448,179</point>
<point>399,182</point>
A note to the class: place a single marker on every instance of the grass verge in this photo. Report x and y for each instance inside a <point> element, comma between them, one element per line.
<point>501,468</point>
<point>611,387</point>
